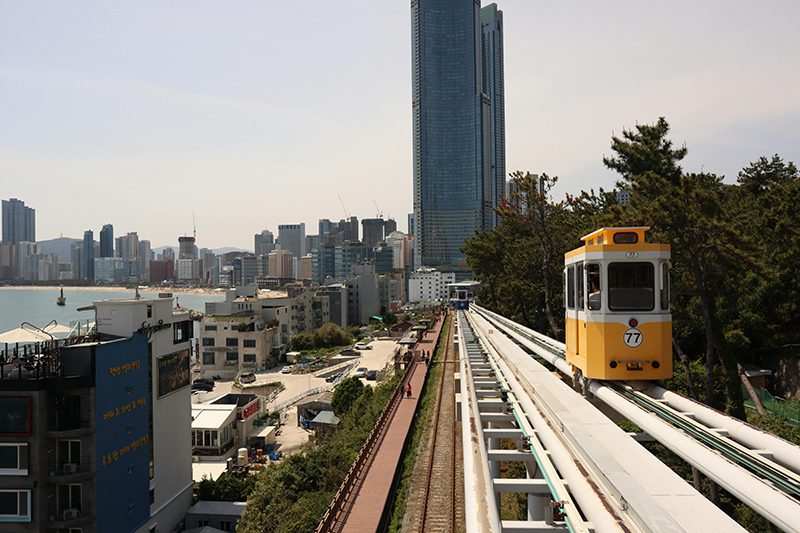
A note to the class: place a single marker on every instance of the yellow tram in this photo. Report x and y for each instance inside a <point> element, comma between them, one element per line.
<point>618,320</point>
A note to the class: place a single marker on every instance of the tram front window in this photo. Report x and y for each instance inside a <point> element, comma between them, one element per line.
<point>631,286</point>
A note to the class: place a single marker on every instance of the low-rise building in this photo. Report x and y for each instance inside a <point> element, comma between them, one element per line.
<point>429,285</point>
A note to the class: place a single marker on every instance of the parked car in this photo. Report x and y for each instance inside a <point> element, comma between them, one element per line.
<point>372,375</point>
<point>202,386</point>
<point>348,351</point>
<point>247,377</point>
<point>361,372</point>
<point>362,346</point>
<point>206,381</point>
<point>332,378</point>
<point>286,370</point>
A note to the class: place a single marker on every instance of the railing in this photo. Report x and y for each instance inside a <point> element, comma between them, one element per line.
<point>65,513</point>
<point>63,468</point>
<point>349,481</point>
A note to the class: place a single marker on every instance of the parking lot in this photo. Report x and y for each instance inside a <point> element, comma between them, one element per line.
<point>292,437</point>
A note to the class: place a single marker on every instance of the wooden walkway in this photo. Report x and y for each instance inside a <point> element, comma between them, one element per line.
<point>366,501</point>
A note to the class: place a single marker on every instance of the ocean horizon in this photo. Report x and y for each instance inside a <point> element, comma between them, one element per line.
<point>37,305</point>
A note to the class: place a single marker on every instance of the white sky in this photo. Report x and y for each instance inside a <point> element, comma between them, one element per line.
<point>253,114</point>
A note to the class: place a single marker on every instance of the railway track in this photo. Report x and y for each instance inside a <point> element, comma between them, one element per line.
<point>436,498</point>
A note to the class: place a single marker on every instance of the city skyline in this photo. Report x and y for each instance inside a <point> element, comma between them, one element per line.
<point>149,113</point>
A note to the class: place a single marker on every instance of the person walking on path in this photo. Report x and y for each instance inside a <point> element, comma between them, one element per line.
<point>408,390</point>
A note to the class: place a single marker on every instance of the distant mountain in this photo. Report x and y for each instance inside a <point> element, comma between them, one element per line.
<point>61,247</point>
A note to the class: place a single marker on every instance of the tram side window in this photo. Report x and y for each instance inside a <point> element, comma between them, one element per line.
<point>631,286</point>
<point>593,286</point>
<point>579,284</point>
<point>570,287</point>
<point>664,287</point>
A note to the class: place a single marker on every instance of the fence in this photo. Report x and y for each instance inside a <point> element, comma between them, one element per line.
<point>775,406</point>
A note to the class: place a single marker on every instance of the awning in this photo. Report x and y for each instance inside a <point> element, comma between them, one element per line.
<point>326,418</point>
<point>262,431</point>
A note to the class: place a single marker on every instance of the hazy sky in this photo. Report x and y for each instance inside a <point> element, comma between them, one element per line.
<point>254,114</point>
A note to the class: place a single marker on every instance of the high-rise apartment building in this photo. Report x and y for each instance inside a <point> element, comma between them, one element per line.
<point>19,222</point>
<point>454,191</point>
<point>107,241</point>
<point>127,246</point>
<point>88,250</point>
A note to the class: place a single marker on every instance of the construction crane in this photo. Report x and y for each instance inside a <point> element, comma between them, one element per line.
<point>194,227</point>
<point>346,214</point>
<point>378,209</point>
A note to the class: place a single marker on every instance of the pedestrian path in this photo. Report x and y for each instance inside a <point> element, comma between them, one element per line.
<point>367,506</point>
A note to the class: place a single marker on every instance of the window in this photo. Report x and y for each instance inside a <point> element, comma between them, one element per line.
<point>593,286</point>
<point>13,459</point>
<point>152,496</point>
<point>149,311</point>
<point>211,328</point>
<point>249,358</point>
<point>15,416</point>
<point>570,285</point>
<point>249,343</point>
<point>208,341</point>
<point>579,284</point>
<point>626,237</point>
<point>69,456</point>
<point>664,286</point>
<point>225,525</point>
<point>231,342</point>
<point>15,505</point>
<point>232,356</point>
<point>181,331</point>
<point>208,358</point>
<point>630,286</point>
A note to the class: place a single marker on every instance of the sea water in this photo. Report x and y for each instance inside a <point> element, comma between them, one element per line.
<point>38,306</point>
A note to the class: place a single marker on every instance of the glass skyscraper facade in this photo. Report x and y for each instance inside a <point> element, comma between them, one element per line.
<point>455,187</point>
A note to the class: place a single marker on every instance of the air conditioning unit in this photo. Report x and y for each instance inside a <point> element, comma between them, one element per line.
<point>70,468</point>
<point>70,514</point>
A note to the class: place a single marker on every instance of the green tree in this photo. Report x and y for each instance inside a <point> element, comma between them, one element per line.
<point>345,395</point>
<point>531,203</point>
<point>389,320</point>
<point>225,488</point>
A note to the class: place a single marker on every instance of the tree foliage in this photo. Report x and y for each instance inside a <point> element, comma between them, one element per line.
<point>225,489</point>
<point>292,496</point>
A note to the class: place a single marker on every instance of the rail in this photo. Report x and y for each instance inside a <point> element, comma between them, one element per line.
<point>734,465</point>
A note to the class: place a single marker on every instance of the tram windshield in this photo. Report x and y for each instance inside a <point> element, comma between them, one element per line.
<point>631,286</point>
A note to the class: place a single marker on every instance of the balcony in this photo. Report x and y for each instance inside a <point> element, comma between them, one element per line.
<point>63,516</point>
<point>62,472</point>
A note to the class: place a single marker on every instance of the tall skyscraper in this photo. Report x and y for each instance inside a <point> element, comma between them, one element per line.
<point>454,191</point>
<point>107,241</point>
<point>19,222</point>
<point>88,250</point>
<point>494,88</point>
